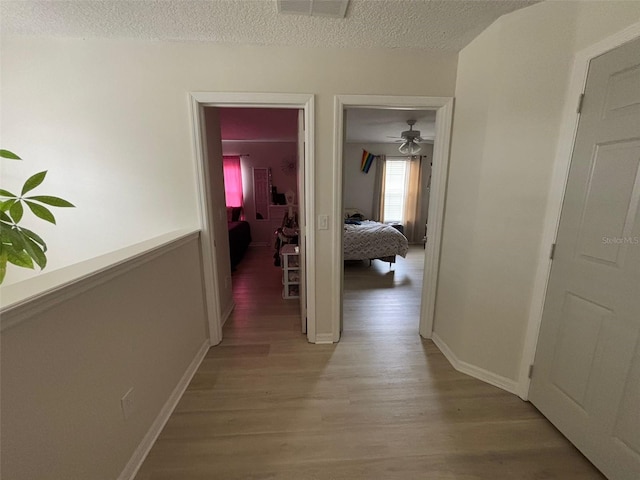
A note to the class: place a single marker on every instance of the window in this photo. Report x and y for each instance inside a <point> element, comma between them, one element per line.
<point>232,181</point>
<point>395,181</point>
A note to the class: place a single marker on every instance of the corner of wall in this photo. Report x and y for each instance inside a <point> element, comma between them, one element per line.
<point>474,371</point>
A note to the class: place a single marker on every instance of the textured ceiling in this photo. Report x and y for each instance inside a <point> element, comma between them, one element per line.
<point>446,25</point>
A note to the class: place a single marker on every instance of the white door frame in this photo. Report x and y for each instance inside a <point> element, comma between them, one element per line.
<point>198,101</point>
<point>444,114</point>
<point>564,151</point>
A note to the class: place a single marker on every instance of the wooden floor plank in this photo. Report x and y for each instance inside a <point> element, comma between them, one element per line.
<point>381,404</point>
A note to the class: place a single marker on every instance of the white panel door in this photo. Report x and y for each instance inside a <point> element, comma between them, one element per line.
<point>586,377</point>
<point>301,223</point>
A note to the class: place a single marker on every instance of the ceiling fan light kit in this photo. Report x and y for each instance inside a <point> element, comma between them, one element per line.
<point>410,139</point>
<point>409,148</point>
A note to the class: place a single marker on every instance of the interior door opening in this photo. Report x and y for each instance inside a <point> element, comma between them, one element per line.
<point>387,160</point>
<point>443,109</point>
<point>261,173</point>
<point>248,146</point>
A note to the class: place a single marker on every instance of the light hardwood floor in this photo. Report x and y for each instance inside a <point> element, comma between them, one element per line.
<point>381,404</point>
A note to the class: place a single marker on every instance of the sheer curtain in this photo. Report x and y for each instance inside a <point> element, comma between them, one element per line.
<point>377,209</point>
<point>413,220</point>
<point>413,224</point>
<point>232,181</point>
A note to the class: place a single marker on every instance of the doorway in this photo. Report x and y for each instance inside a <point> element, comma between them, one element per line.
<point>386,198</point>
<point>443,107</point>
<point>261,156</point>
<point>214,234</point>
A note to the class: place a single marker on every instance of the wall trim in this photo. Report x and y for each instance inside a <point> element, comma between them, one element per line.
<point>206,214</point>
<point>227,313</point>
<point>101,269</point>
<point>564,151</point>
<point>324,338</point>
<point>303,101</point>
<point>141,452</point>
<point>472,370</point>
<point>444,117</point>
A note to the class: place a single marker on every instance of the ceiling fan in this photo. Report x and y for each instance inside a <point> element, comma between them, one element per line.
<point>410,139</point>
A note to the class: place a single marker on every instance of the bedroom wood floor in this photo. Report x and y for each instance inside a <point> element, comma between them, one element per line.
<point>381,404</point>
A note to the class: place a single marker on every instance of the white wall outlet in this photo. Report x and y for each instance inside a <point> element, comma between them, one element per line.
<point>127,404</point>
<point>323,222</point>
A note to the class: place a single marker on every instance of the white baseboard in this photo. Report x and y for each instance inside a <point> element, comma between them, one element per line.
<point>227,313</point>
<point>135,462</point>
<point>486,376</point>
<point>324,338</point>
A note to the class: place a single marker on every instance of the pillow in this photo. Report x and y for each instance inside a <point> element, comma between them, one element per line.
<point>350,212</point>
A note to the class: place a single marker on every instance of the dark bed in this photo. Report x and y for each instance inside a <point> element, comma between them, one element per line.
<point>239,240</point>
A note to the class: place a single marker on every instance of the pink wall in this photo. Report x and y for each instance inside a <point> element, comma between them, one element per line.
<point>271,124</point>
<point>263,138</point>
<point>265,155</point>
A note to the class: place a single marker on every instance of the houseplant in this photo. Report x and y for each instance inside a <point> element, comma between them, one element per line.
<point>20,246</point>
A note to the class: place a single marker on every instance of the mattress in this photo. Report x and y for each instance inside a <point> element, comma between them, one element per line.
<point>371,240</point>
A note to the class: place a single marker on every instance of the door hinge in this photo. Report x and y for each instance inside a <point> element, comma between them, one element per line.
<point>580,101</point>
<point>553,251</point>
<point>530,370</point>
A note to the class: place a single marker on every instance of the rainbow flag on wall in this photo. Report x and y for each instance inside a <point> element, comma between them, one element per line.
<point>367,160</point>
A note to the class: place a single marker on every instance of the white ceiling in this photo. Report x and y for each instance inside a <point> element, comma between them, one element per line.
<point>369,125</point>
<point>446,25</point>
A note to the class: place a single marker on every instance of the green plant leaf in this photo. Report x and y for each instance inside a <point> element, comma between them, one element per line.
<point>10,156</point>
<point>41,212</point>
<point>3,265</point>
<point>19,258</point>
<point>33,236</point>
<point>16,211</point>
<point>6,193</point>
<point>14,238</point>
<point>5,218</point>
<point>35,252</point>
<point>33,181</point>
<point>5,236</point>
<point>6,205</point>
<point>53,201</point>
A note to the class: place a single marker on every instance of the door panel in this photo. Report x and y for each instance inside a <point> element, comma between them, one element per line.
<point>606,215</point>
<point>580,326</point>
<point>628,420</point>
<point>623,95</point>
<point>587,369</point>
